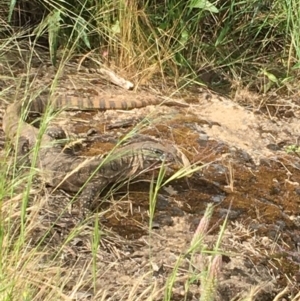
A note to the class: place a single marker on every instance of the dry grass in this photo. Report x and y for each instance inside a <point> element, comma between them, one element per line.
<point>36,242</point>
<point>51,256</point>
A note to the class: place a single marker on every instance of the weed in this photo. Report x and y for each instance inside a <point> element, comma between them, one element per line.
<point>200,40</point>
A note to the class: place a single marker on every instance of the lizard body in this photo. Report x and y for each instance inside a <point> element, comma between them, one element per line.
<point>40,104</point>
<point>79,174</point>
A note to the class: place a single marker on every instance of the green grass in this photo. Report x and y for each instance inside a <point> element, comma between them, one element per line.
<point>35,271</point>
<point>227,43</point>
<point>204,266</point>
<point>193,41</point>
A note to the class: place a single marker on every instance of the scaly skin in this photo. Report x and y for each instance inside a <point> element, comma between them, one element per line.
<point>71,173</point>
<point>93,102</point>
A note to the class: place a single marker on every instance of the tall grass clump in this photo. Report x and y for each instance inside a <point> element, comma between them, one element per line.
<point>215,42</point>
<point>204,265</point>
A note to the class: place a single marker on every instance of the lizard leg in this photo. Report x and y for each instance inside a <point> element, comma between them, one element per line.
<point>88,198</point>
<point>56,132</point>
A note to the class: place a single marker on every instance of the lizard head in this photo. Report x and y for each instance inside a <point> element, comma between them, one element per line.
<point>152,154</point>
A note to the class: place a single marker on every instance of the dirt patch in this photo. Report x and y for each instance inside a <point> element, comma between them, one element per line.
<point>249,178</point>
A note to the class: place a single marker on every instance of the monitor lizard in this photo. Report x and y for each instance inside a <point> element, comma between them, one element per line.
<point>87,176</point>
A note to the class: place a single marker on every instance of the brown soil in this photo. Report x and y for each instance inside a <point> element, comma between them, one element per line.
<point>249,177</point>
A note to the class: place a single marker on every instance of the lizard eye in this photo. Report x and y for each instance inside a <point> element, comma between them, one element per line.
<point>161,154</point>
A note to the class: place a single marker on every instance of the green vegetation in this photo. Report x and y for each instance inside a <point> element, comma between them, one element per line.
<point>216,43</point>
<point>221,44</point>
<point>293,149</point>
